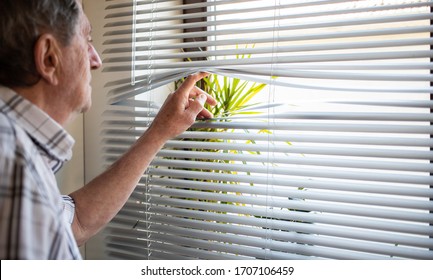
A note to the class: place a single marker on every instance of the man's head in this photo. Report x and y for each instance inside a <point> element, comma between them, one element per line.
<point>46,54</point>
<point>21,24</point>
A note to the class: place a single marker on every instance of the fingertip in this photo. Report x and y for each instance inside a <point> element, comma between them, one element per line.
<point>199,75</point>
<point>202,99</point>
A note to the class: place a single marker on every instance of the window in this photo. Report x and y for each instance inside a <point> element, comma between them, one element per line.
<point>320,148</point>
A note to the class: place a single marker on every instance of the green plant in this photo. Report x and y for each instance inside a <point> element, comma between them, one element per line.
<point>232,94</point>
<point>234,97</point>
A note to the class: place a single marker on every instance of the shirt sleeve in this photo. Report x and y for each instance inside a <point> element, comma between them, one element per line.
<point>68,208</point>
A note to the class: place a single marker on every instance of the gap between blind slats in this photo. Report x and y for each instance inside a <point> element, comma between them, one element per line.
<point>138,90</point>
<point>246,69</point>
<point>122,93</point>
<point>362,187</point>
<point>131,213</point>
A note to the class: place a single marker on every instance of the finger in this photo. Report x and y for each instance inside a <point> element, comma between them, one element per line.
<point>196,107</point>
<point>209,99</point>
<point>204,114</point>
<point>186,87</point>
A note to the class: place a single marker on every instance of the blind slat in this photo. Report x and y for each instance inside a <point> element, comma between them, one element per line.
<point>349,116</point>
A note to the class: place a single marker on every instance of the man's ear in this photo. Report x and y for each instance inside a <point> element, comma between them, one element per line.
<point>47,55</point>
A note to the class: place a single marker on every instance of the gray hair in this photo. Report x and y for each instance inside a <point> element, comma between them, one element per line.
<point>21,24</point>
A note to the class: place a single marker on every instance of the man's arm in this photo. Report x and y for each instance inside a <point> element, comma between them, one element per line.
<point>100,200</point>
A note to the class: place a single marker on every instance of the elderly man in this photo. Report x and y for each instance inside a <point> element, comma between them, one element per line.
<point>46,56</point>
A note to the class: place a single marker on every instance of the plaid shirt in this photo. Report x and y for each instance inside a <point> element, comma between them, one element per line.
<point>32,148</point>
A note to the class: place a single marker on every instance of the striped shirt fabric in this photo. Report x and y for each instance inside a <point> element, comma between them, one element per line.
<point>35,219</point>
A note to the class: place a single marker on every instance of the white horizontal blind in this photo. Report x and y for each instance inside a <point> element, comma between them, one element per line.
<point>334,163</point>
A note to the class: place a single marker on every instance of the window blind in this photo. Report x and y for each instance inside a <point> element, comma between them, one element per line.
<point>324,152</point>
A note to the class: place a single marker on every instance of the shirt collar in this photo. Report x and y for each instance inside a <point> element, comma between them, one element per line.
<point>44,131</point>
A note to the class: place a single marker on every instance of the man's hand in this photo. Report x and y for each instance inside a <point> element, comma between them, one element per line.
<point>182,108</point>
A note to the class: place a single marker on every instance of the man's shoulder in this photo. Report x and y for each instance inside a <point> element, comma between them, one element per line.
<point>7,132</point>
<point>13,138</point>
<point>6,125</point>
